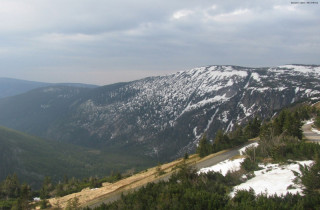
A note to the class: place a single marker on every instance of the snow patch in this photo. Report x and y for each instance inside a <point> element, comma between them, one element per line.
<point>302,69</point>
<point>242,151</point>
<point>230,126</point>
<point>225,116</point>
<point>309,122</point>
<point>205,102</point>
<point>274,179</point>
<point>315,131</point>
<point>224,166</point>
<point>256,77</point>
<point>211,120</point>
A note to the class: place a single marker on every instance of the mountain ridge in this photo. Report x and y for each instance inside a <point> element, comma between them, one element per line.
<point>164,116</point>
<point>11,87</point>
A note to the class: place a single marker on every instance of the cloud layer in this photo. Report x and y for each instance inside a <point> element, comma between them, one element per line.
<point>102,42</point>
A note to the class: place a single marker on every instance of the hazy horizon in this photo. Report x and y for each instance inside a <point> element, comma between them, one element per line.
<point>105,42</point>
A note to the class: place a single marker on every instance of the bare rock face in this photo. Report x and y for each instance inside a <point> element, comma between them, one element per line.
<point>161,116</point>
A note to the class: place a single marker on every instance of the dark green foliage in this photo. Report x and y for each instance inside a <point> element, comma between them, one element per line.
<point>244,197</point>
<point>46,188</point>
<point>10,188</point>
<point>317,121</point>
<point>281,138</point>
<point>249,165</point>
<point>33,158</point>
<point>221,141</point>
<point>13,195</point>
<point>44,204</point>
<point>288,123</point>
<point>246,200</point>
<point>292,125</point>
<point>16,196</point>
<point>310,177</point>
<point>186,156</point>
<point>73,185</point>
<point>237,135</point>
<point>278,123</point>
<point>281,148</point>
<point>252,129</point>
<point>204,147</point>
<point>224,141</point>
<point>185,190</point>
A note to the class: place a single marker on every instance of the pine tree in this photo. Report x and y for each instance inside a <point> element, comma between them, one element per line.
<point>252,129</point>
<point>204,147</point>
<point>11,187</point>
<point>317,121</point>
<point>46,188</point>
<point>278,123</point>
<point>311,176</point>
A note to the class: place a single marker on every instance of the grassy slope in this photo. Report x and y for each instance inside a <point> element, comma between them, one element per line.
<point>32,158</point>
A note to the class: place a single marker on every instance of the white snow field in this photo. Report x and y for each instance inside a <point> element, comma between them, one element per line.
<point>272,179</point>
<point>242,151</point>
<point>224,166</point>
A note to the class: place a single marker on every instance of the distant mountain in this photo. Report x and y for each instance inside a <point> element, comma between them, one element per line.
<point>33,158</point>
<point>163,116</point>
<point>11,87</point>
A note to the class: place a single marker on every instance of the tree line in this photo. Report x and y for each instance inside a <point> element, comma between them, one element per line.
<point>280,141</point>
<point>234,138</point>
<point>14,195</point>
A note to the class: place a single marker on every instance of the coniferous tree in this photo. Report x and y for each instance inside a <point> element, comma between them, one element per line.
<point>279,122</point>
<point>11,187</point>
<point>311,176</point>
<point>46,188</point>
<point>292,125</point>
<point>252,129</point>
<point>204,147</point>
<point>317,121</point>
<point>297,131</point>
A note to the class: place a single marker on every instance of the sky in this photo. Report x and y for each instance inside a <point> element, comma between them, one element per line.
<point>108,41</point>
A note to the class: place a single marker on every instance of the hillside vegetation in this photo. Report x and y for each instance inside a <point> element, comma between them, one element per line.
<point>280,142</point>
<point>161,117</point>
<point>33,158</point>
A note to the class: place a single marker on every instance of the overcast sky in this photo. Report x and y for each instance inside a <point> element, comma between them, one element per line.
<point>108,41</point>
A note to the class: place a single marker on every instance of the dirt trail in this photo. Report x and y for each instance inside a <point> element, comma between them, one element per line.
<point>112,191</point>
<point>310,135</point>
<point>132,182</point>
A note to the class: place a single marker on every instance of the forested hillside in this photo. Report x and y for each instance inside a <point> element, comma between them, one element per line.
<point>32,159</point>
<point>280,142</point>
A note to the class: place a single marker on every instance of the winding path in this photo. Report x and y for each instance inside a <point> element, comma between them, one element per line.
<point>198,164</point>
<point>310,135</point>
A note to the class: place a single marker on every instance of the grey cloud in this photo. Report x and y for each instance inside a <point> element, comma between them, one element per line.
<point>152,37</point>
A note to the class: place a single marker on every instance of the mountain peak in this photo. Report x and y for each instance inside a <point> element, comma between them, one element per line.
<point>167,114</point>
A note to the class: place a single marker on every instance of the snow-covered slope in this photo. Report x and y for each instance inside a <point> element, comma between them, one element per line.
<point>166,115</point>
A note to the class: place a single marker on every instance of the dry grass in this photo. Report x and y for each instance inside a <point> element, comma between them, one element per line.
<point>89,195</point>
<point>238,157</point>
<point>317,105</point>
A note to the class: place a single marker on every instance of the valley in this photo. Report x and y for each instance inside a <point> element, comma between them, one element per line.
<point>33,158</point>
<point>149,116</point>
<point>126,128</point>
